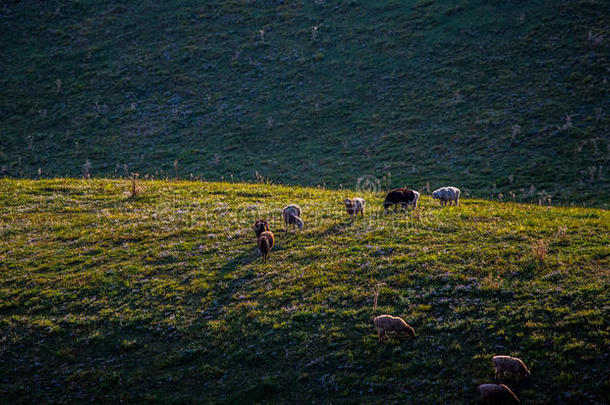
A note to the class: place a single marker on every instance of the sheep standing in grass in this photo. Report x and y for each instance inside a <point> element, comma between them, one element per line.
<point>260,226</point>
<point>354,206</point>
<point>265,243</point>
<point>447,194</point>
<point>389,323</point>
<point>497,394</point>
<point>292,215</point>
<point>400,196</point>
<point>511,367</point>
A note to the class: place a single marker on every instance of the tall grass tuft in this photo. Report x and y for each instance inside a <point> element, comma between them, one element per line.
<point>561,233</point>
<point>376,287</point>
<point>136,188</point>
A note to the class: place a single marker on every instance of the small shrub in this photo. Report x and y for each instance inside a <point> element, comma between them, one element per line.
<point>539,251</point>
<point>561,233</point>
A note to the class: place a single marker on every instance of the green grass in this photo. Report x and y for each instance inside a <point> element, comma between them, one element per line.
<point>425,91</point>
<point>162,296</point>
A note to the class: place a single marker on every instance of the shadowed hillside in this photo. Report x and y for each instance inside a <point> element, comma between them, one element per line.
<point>161,297</point>
<point>505,97</point>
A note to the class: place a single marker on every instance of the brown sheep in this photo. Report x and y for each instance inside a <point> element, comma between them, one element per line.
<point>511,367</point>
<point>354,206</point>
<point>292,215</point>
<point>389,323</point>
<point>497,394</point>
<point>260,226</point>
<point>265,243</point>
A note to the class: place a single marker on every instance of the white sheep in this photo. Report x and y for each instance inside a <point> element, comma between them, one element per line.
<point>292,215</point>
<point>447,194</point>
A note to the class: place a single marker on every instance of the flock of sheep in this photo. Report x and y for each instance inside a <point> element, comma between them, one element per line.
<point>506,367</point>
<point>403,197</point>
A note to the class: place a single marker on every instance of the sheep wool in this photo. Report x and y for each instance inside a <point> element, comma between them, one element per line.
<point>265,243</point>
<point>496,394</point>
<point>292,216</point>
<point>389,323</point>
<point>400,196</point>
<point>447,195</point>
<point>511,367</point>
<point>354,206</point>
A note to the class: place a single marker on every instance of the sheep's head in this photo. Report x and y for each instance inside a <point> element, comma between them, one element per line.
<point>409,331</point>
<point>300,223</point>
<point>348,202</point>
<point>260,226</point>
<point>435,194</point>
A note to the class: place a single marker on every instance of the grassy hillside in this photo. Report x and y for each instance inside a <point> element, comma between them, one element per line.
<point>162,296</point>
<point>476,93</point>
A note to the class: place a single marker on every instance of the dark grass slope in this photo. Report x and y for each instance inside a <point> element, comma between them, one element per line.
<point>162,298</point>
<point>472,93</point>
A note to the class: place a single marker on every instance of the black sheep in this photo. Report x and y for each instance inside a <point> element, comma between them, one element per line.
<point>402,196</point>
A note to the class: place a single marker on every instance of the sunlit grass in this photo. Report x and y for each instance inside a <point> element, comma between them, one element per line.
<point>161,295</point>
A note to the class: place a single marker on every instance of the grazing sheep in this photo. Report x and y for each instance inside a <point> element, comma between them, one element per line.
<point>292,215</point>
<point>265,243</point>
<point>447,194</point>
<point>511,367</point>
<point>402,196</point>
<point>389,323</point>
<point>497,394</point>
<point>354,206</point>
<point>260,226</point>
